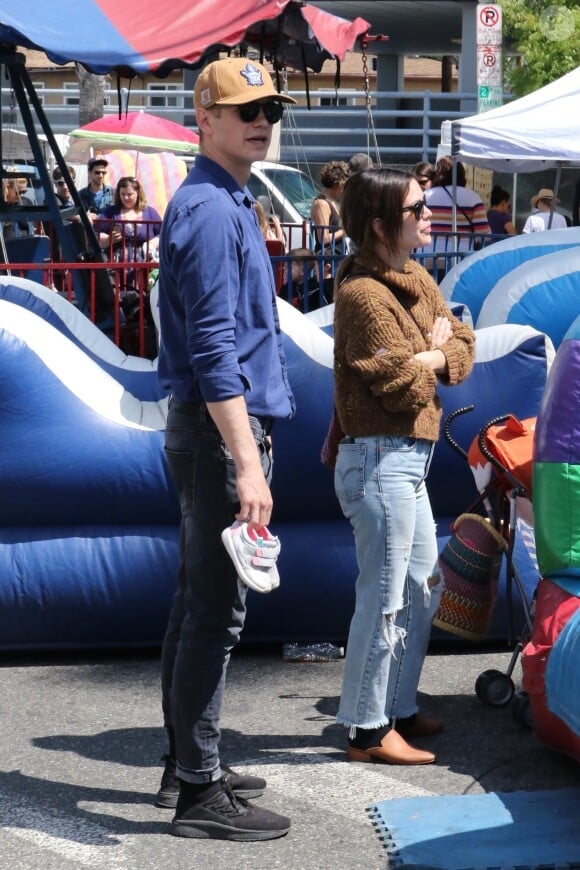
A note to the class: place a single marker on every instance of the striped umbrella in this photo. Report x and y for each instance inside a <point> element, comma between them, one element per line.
<point>159,174</point>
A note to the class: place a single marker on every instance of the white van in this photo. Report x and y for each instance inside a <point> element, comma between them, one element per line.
<point>289,193</point>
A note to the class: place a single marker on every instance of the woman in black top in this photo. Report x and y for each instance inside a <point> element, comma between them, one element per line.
<point>329,235</point>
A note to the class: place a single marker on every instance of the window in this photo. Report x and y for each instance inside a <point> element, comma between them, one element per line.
<point>160,96</point>
<point>72,97</point>
<point>332,99</point>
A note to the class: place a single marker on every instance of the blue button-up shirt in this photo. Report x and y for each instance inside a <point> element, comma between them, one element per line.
<point>96,202</point>
<point>220,334</point>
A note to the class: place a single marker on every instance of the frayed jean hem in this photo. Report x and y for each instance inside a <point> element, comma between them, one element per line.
<point>370,726</point>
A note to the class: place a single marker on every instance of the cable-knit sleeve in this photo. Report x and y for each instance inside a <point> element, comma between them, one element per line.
<point>376,347</point>
<point>460,349</point>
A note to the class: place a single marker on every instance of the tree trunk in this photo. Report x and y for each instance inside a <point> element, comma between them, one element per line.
<point>446,74</point>
<point>91,95</point>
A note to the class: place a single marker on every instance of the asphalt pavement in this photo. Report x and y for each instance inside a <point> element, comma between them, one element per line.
<point>82,741</point>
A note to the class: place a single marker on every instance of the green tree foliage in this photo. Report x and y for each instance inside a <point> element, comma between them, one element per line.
<point>547,35</point>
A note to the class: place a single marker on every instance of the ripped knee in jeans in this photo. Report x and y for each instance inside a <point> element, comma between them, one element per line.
<point>433,580</point>
<point>433,584</point>
<point>393,633</point>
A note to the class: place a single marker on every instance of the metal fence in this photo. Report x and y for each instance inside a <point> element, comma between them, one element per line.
<point>115,293</point>
<point>405,126</point>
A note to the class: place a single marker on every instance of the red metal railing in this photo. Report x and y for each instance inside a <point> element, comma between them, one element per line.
<point>124,315</point>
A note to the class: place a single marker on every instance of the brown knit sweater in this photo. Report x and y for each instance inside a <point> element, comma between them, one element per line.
<point>379,389</point>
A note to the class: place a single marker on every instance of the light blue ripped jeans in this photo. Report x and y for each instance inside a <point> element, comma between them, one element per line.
<point>380,484</point>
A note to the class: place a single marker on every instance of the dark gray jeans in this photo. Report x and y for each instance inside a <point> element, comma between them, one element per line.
<point>209,608</point>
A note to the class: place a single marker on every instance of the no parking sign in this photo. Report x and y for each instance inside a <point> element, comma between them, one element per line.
<point>489,24</point>
<point>489,56</point>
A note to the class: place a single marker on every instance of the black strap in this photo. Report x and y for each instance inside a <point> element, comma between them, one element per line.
<point>464,213</point>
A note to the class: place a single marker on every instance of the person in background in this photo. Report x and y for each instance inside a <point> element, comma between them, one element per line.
<point>12,197</point>
<point>469,210</point>
<point>269,223</point>
<point>65,200</point>
<point>97,195</point>
<point>395,340</point>
<point>499,216</point>
<point>63,196</point>
<point>360,161</point>
<point>324,213</point>
<point>303,289</point>
<point>27,196</point>
<point>129,225</point>
<point>423,172</point>
<point>543,217</point>
<point>222,361</point>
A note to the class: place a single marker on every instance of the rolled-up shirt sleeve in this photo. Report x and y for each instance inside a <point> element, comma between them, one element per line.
<point>219,330</point>
<point>206,254</point>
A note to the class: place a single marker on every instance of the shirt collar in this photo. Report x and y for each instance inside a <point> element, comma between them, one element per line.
<point>208,166</point>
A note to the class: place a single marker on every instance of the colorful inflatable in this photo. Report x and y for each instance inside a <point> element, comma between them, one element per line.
<point>551,660</point>
<point>544,293</point>
<point>90,521</point>
<point>472,280</point>
<point>556,472</point>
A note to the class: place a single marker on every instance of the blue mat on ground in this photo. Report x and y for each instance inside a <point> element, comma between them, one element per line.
<point>521,830</point>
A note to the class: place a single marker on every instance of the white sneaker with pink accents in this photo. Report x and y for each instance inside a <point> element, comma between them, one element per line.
<point>254,552</point>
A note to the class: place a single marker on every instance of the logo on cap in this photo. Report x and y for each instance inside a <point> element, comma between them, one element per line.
<point>252,75</point>
<point>205,97</point>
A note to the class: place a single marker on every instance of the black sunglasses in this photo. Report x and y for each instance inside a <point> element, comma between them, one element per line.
<point>273,111</point>
<point>60,182</point>
<point>417,208</point>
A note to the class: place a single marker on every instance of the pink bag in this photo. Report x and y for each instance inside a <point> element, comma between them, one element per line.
<point>329,450</point>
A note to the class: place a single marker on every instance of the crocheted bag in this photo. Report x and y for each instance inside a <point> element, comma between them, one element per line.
<point>470,564</point>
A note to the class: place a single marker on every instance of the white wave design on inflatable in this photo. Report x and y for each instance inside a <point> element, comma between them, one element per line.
<point>93,340</point>
<point>305,332</point>
<point>544,293</point>
<point>81,375</point>
<point>473,279</point>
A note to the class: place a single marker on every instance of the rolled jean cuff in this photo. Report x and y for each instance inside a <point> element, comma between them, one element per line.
<point>198,777</point>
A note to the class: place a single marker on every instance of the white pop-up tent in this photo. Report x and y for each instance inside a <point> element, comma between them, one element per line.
<point>538,131</point>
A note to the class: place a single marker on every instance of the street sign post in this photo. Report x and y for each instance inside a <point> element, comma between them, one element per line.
<point>489,56</point>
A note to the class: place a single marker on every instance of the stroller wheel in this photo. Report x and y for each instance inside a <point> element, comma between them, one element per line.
<point>494,688</point>
<point>522,710</point>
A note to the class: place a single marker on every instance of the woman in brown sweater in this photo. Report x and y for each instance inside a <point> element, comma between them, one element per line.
<point>394,340</point>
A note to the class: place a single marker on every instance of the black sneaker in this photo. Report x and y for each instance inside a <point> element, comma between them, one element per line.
<point>169,788</point>
<point>243,785</point>
<point>223,816</point>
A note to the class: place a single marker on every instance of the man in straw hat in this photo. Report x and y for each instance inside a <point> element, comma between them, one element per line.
<point>222,361</point>
<point>544,217</point>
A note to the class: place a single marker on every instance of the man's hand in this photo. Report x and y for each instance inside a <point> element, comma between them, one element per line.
<point>231,418</point>
<point>255,498</point>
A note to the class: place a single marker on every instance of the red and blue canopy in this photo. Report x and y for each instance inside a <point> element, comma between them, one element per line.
<point>146,37</point>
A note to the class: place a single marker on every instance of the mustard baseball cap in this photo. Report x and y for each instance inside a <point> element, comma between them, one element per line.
<point>234,81</point>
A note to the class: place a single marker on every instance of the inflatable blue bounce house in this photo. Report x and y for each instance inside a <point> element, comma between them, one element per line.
<point>89,518</point>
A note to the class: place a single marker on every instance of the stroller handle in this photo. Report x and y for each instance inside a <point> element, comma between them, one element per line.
<point>447,429</point>
<point>513,481</point>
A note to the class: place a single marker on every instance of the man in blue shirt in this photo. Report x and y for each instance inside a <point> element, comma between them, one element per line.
<point>222,360</point>
<point>96,195</point>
